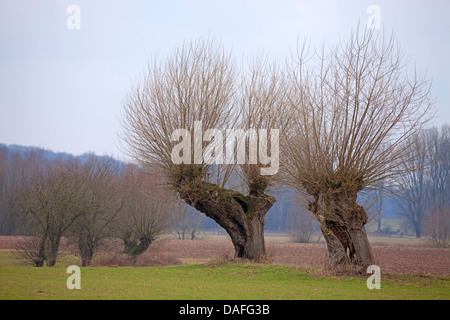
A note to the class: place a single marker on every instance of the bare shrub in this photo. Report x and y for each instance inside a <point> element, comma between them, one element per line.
<point>437,225</point>
<point>305,228</point>
<point>156,255</point>
<point>29,250</point>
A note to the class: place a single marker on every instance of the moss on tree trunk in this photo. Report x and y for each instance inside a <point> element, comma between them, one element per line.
<point>241,216</point>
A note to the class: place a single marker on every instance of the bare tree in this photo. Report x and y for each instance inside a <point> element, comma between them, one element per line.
<point>50,201</point>
<point>148,210</point>
<point>100,203</point>
<point>197,92</point>
<point>30,250</point>
<point>437,226</point>
<point>352,113</point>
<point>413,182</point>
<point>425,183</point>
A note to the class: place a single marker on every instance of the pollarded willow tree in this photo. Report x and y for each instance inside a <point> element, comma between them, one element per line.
<point>148,211</point>
<point>353,107</point>
<point>181,117</point>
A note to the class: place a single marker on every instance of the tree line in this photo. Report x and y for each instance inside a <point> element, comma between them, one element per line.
<point>426,185</point>
<point>87,201</point>
<point>91,199</point>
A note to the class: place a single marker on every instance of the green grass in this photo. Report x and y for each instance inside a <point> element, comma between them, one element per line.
<point>222,281</point>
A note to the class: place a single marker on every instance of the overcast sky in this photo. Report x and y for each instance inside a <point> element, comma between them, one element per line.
<point>62,89</point>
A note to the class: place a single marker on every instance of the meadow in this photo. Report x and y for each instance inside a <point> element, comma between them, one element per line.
<point>222,281</point>
<point>200,275</point>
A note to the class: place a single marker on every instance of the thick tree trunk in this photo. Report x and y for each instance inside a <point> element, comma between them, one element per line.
<point>86,258</point>
<point>332,231</point>
<point>133,248</point>
<point>54,247</point>
<point>362,249</point>
<point>41,254</point>
<point>241,216</point>
<point>336,251</point>
<point>355,218</point>
<point>342,223</point>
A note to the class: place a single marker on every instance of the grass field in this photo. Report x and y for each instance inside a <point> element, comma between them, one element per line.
<point>227,280</point>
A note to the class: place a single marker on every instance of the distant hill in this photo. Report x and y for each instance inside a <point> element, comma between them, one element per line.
<point>50,155</point>
<point>23,150</point>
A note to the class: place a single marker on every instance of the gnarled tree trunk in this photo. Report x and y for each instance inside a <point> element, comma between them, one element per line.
<point>241,216</point>
<point>355,219</point>
<point>342,223</point>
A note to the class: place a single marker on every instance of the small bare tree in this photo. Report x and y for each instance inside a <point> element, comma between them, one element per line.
<point>51,200</point>
<point>352,113</point>
<point>100,203</point>
<point>438,173</point>
<point>413,182</point>
<point>148,210</point>
<point>437,226</point>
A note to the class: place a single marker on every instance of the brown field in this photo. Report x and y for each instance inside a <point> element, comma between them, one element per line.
<point>390,258</point>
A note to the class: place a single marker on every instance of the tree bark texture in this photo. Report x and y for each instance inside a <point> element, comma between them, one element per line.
<point>342,223</point>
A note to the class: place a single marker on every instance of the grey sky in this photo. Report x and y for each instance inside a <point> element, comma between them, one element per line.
<point>62,89</point>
